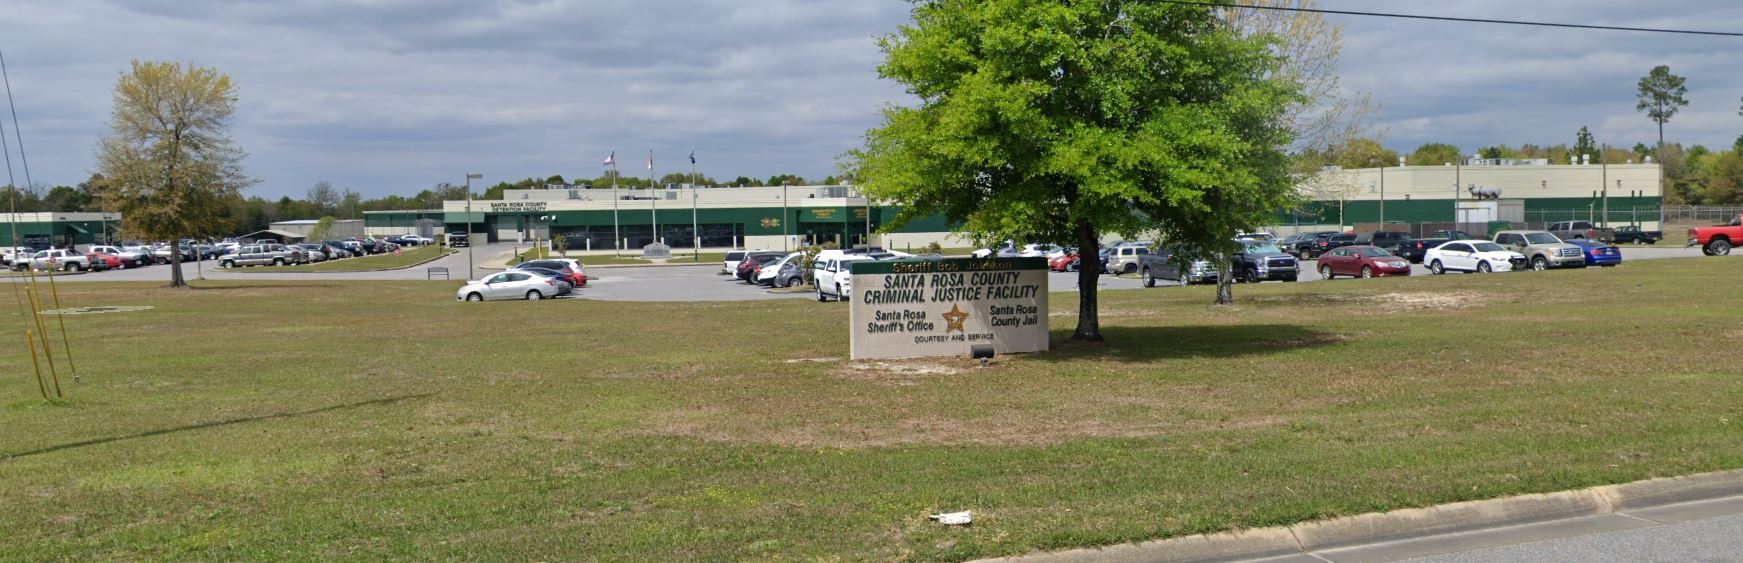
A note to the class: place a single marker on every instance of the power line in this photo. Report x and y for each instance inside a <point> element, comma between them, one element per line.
<point>15,131</point>
<point>1453,19</point>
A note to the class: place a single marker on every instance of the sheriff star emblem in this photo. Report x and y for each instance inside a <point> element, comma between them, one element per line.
<point>953,320</point>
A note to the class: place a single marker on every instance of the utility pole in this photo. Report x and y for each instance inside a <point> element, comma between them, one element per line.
<point>1604,185</point>
<point>1382,197</point>
<point>653,202</point>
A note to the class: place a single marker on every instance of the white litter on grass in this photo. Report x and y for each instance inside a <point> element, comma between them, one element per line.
<point>953,518</point>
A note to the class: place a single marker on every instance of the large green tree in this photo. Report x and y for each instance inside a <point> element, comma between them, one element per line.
<point>169,163</point>
<point>1434,154</point>
<point>1042,120</point>
<point>1661,96</point>
<point>1584,145</point>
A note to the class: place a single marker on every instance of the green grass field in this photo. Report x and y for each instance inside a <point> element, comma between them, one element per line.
<point>409,256</point>
<point>383,420</point>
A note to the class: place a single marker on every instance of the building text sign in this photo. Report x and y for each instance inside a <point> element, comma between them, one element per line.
<point>911,308</point>
<point>512,206</point>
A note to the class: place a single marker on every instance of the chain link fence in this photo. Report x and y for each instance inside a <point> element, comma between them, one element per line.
<point>1700,215</point>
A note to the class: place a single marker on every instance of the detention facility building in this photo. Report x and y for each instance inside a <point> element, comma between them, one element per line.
<point>681,217</point>
<point>1473,195</point>
<point>57,229</point>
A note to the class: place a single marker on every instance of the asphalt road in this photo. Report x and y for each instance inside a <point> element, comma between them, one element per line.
<point>674,283</point>
<point>1674,533</point>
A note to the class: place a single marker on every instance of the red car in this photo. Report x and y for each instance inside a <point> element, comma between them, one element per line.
<point>101,261</point>
<point>1364,261</point>
<point>1063,263</point>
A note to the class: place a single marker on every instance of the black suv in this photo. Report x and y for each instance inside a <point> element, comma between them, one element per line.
<point>457,239</point>
<point>1388,240</point>
<point>1259,261</point>
<point>1308,245</point>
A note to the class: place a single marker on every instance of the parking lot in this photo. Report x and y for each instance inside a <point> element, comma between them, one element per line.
<point>705,283</point>
<point>683,282</point>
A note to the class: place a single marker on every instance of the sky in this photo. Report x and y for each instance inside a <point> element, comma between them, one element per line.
<point>394,96</point>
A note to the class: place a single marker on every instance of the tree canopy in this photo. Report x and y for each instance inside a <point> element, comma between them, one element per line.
<point>1661,96</point>
<point>1059,121</point>
<point>169,163</point>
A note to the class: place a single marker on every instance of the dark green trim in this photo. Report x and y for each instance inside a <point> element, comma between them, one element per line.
<point>754,221</point>
<point>1622,209</point>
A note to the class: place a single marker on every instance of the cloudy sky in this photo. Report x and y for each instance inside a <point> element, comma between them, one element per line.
<point>393,96</point>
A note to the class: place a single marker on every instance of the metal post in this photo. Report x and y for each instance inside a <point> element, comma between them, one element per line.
<point>654,202</point>
<point>1458,166</point>
<point>784,241</point>
<point>868,212</point>
<point>1604,185</point>
<point>470,267</point>
<point>616,234</point>
<point>1382,197</point>
<point>695,229</point>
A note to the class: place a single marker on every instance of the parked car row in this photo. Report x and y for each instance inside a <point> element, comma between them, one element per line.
<point>532,280</point>
<point>828,270</point>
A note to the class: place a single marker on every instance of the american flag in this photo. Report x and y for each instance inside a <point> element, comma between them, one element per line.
<point>611,159</point>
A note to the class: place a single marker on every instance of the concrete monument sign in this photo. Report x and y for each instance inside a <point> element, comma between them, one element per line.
<point>656,250</point>
<point>940,307</point>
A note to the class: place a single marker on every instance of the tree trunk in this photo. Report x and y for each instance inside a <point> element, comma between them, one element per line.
<point>1225,281</point>
<point>175,267</point>
<point>1088,275</point>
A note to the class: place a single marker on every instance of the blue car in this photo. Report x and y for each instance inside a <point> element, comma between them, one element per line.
<point>1598,253</point>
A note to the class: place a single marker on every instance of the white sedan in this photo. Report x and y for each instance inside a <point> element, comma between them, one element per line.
<point>1472,256</point>
<point>508,285</point>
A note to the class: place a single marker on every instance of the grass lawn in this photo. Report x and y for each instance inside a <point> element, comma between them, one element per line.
<point>408,256</point>
<point>383,420</point>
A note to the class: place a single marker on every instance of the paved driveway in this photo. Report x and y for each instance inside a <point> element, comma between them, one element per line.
<point>667,283</point>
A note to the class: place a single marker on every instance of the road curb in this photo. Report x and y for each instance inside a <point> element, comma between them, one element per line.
<point>1380,527</point>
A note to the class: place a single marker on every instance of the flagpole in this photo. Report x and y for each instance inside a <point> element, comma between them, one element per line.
<point>695,231</point>
<point>616,235</point>
<point>653,202</point>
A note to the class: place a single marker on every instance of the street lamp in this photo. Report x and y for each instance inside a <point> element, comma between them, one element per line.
<point>470,268</point>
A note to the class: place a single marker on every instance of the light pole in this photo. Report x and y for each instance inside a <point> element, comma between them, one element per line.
<point>784,242</point>
<point>868,211</point>
<point>695,232</point>
<point>653,202</point>
<point>470,268</point>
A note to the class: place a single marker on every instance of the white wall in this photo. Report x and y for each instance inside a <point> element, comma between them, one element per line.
<point>1515,182</point>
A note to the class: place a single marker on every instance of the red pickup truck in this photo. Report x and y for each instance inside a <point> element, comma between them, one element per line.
<point>1717,241</point>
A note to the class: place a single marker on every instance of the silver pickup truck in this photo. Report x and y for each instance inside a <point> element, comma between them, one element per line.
<point>1542,249</point>
<point>260,255</point>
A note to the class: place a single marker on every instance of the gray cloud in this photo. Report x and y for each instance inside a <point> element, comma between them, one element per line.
<point>391,96</point>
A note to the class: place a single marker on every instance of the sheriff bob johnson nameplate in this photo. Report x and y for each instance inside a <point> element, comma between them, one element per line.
<point>915,307</point>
